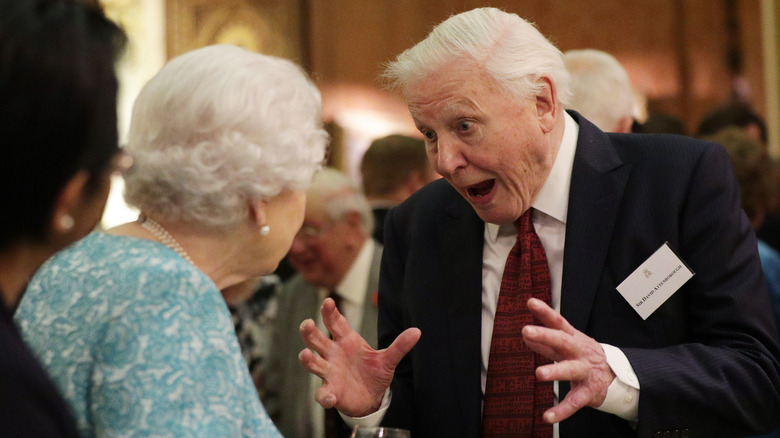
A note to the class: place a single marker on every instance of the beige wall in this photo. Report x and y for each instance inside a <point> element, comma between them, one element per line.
<point>674,50</point>
<point>770,17</point>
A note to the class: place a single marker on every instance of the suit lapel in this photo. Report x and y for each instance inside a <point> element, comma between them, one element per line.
<point>460,234</point>
<point>598,180</point>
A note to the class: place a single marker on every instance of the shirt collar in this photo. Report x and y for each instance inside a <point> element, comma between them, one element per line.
<point>553,198</point>
<point>352,287</point>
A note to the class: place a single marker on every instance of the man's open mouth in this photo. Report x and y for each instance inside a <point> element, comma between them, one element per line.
<point>481,189</point>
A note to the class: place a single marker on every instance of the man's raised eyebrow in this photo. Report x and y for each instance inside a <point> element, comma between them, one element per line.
<point>460,104</point>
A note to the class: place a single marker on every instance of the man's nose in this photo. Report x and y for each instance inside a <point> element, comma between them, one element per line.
<point>450,155</point>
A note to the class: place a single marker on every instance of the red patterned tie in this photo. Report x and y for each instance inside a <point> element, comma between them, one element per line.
<point>514,400</point>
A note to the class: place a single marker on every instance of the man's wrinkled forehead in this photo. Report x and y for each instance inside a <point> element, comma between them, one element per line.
<point>450,91</point>
<point>459,69</point>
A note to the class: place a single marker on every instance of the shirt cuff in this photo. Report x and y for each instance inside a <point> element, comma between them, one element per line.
<point>370,420</point>
<point>623,393</point>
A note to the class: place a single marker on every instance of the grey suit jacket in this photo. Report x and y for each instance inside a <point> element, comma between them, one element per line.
<point>285,383</point>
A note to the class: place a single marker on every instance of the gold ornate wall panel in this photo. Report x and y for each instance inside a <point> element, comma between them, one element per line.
<point>272,27</point>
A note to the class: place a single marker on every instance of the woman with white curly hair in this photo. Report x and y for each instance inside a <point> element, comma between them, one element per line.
<point>130,323</point>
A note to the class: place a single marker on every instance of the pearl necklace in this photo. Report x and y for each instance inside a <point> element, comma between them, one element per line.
<point>163,236</point>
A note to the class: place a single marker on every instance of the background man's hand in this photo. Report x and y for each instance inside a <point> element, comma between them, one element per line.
<point>354,375</point>
<point>579,359</point>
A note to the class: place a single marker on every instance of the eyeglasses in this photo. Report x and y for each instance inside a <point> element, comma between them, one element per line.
<point>311,232</point>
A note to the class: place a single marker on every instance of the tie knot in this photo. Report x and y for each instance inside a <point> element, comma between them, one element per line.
<point>523,224</point>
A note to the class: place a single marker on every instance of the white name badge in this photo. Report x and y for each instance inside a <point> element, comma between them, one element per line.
<point>654,281</point>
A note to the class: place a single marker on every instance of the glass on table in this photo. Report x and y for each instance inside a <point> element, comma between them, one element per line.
<point>380,432</point>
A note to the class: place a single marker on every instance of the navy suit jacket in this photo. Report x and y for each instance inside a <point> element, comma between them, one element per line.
<point>30,404</point>
<point>707,359</point>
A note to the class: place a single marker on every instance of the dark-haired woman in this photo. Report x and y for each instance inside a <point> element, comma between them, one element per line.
<point>59,146</point>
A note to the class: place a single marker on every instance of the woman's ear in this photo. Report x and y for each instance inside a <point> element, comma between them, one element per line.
<point>546,104</point>
<point>257,210</point>
<point>68,202</point>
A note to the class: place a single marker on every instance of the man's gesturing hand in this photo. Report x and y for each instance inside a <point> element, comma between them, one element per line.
<point>354,375</point>
<point>579,359</point>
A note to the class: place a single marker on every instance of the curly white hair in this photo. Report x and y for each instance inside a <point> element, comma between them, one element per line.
<point>220,126</point>
<point>510,48</point>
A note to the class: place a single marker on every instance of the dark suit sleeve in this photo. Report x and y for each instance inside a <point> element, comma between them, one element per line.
<point>28,411</point>
<point>391,324</point>
<point>30,405</point>
<point>726,380</point>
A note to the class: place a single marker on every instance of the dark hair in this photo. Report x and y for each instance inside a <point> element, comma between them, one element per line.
<point>58,93</point>
<point>753,167</point>
<point>388,161</point>
<point>732,114</point>
<point>659,123</point>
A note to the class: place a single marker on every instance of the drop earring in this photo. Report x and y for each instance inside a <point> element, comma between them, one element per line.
<point>265,230</point>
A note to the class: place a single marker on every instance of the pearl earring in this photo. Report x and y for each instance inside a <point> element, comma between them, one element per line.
<point>265,230</point>
<point>66,222</point>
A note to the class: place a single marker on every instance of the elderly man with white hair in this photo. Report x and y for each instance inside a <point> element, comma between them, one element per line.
<point>560,281</point>
<point>334,256</point>
<point>600,89</point>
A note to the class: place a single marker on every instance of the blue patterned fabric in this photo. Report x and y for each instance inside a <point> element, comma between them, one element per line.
<point>140,343</point>
<point>770,264</point>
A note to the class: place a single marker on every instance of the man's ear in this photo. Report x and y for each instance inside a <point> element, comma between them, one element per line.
<point>356,236</point>
<point>352,218</point>
<point>66,206</point>
<point>624,125</point>
<point>546,104</point>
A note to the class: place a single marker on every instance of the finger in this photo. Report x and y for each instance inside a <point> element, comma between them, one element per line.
<point>402,345</point>
<point>543,350</point>
<point>325,397</point>
<point>548,316</point>
<point>575,400</point>
<point>313,338</point>
<point>313,363</point>
<point>337,325</point>
<point>562,344</point>
<point>571,370</point>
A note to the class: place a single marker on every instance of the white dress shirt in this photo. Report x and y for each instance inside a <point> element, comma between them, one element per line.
<point>549,219</point>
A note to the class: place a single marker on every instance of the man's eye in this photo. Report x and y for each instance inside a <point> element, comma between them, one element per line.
<point>429,135</point>
<point>465,125</point>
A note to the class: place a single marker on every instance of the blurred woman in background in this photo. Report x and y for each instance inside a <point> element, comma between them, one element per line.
<point>58,122</point>
<point>130,323</point>
<point>755,172</point>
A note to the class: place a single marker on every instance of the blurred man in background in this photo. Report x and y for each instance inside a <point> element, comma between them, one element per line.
<point>393,168</point>
<point>600,89</point>
<point>334,256</point>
